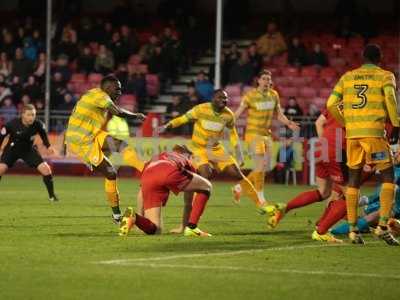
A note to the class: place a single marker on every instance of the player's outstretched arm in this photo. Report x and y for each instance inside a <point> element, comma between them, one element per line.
<point>123,113</point>
<point>241,109</point>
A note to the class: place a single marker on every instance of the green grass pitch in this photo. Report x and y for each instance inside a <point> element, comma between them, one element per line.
<point>70,250</point>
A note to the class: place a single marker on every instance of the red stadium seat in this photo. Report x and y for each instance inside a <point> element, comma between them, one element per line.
<point>78,78</point>
<point>337,62</point>
<point>128,101</point>
<point>325,92</point>
<point>327,73</point>
<point>307,92</point>
<point>288,91</point>
<point>290,71</point>
<point>299,81</point>
<point>280,81</point>
<point>95,78</point>
<point>309,71</point>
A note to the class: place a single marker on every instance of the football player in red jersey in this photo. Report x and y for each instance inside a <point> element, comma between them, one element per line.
<point>168,171</point>
<point>331,172</point>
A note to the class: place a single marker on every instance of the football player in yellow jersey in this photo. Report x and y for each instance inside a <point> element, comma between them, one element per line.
<point>262,103</point>
<point>86,138</point>
<point>210,120</point>
<point>368,98</point>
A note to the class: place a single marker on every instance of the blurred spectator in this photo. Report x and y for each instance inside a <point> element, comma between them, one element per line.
<point>293,109</point>
<point>119,48</point>
<point>69,31</point>
<point>254,57</point>
<point>86,60</point>
<point>297,54</point>
<point>204,87</point>
<point>318,57</point>
<point>39,105</point>
<point>40,66</point>
<point>8,45</point>
<point>136,84</point>
<point>313,111</point>
<point>285,159</point>
<point>86,30</point>
<point>21,66</point>
<point>271,43</point>
<point>16,87</point>
<point>156,64</point>
<point>8,111</point>
<point>232,55</point>
<point>242,71</point>
<point>68,104</point>
<point>25,99</point>
<point>58,89</point>
<point>37,41</point>
<point>130,39</point>
<point>172,54</point>
<point>178,107</point>
<point>104,62</point>
<point>4,91</point>
<point>5,64</point>
<point>62,67</point>
<point>67,46</point>
<point>32,88</point>
<point>107,33</point>
<point>191,97</point>
<point>30,50</point>
<point>148,49</point>
<point>308,129</point>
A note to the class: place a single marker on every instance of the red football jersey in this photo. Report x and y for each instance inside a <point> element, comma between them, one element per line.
<point>178,159</point>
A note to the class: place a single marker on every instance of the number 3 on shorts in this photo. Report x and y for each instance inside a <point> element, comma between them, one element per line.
<point>361,90</point>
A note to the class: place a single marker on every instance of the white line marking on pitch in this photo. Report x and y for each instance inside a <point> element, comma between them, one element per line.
<point>265,270</point>
<point>209,254</point>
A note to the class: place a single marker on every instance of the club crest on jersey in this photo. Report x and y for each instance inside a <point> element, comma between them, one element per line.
<point>212,126</point>
<point>265,105</point>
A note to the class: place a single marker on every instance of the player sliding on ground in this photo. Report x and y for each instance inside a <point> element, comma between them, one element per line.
<point>331,173</point>
<point>21,132</point>
<point>168,171</point>
<point>210,121</point>
<point>86,138</point>
<point>368,97</point>
<point>261,103</point>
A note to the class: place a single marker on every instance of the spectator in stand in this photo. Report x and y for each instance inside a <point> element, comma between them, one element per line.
<point>254,57</point>
<point>204,87</point>
<point>8,111</point>
<point>297,53</point>
<point>67,46</point>
<point>68,104</point>
<point>308,129</point>
<point>285,159</point>
<point>271,43</point>
<point>242,71</point>
<point>148,49</point>
<point>130,39</point>
<point>231,56</point>
<point>25,99</point>
<point>318,57</point>
<point>313,111</point>
<point>119,48</point>
<point>5,64</point>
<point>5,91</point>
<point>136,85</point>
<point>37,41</point>
<point>39,105</point>
<point>293,109</point>
<point>40,66</point>
<point>62,67</point>
<point>21,66</point>
<point>156,65</point>
<point>32,88</point>
<point>8,45</point>
<point>30,50</point>
<point>85,60</point>
<point>107,33</point>
<point>16,87</point>
<point>171,51</point>
<point>104,62</point>
<point>122,74</point>
<point>58,89</point>
<point>191,97</point>
<point>179,107</point>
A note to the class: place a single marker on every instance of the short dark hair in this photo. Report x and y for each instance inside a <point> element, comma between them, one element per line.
<point>264,72</point>
<point>108,78</point>
<point>28,107</point>
<point>372,53</point>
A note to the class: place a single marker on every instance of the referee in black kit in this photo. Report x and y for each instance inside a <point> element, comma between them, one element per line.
<point>22,132</point>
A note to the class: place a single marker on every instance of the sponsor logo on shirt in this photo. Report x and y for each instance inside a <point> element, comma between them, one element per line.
<point>269,105</point>
<point>212,126</point>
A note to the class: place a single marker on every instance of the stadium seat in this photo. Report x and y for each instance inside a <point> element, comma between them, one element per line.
<point>327,72</point>
<point>299,81</point>
<point>281,81</point>
<point>307,92</point>
<point>325,92</point>
<point>95,78</point>
<point>288,91</point>
<point>337,62</point>
<point>290,71</point>
<point>128,101</point>
<point>309,71</point>
<point>78,78</point>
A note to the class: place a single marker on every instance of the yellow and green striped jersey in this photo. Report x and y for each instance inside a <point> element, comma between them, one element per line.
<point>365,106</point>
<point>88,117</point>
<point>209,125</point>
<point>261,108</point>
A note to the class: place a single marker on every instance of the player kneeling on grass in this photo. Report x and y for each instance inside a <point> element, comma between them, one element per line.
<point>21,132</point>
<point>168,171</point>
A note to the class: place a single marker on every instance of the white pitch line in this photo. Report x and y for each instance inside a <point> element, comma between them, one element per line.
<point>209,254</point>
<point>265,270</point>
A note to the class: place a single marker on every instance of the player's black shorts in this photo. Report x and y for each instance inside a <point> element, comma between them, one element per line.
<point>30,156</point>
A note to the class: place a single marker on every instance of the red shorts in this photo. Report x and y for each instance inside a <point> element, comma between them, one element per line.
<point>158,179</point>
<point>330,170</point>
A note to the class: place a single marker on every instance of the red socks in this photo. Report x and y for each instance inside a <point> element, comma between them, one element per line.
<point>304,199</point>
<point>198,205</point>
<point>335,211</point>
<point>145,224</point>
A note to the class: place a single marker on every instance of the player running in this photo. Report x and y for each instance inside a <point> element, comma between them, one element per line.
<point>86,138</point>
<point>21,132</point>
<point>262,103</point>
<point>210,121</point>
<point>368,97</point>
<point>330,178</point>
<point>168,171</point>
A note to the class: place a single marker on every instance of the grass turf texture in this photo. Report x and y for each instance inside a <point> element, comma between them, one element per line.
<point>54,250</point>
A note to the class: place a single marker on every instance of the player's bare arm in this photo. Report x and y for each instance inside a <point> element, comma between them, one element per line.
<point>124,113</point>
<point>319,125</point>
<point>284,120</point>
